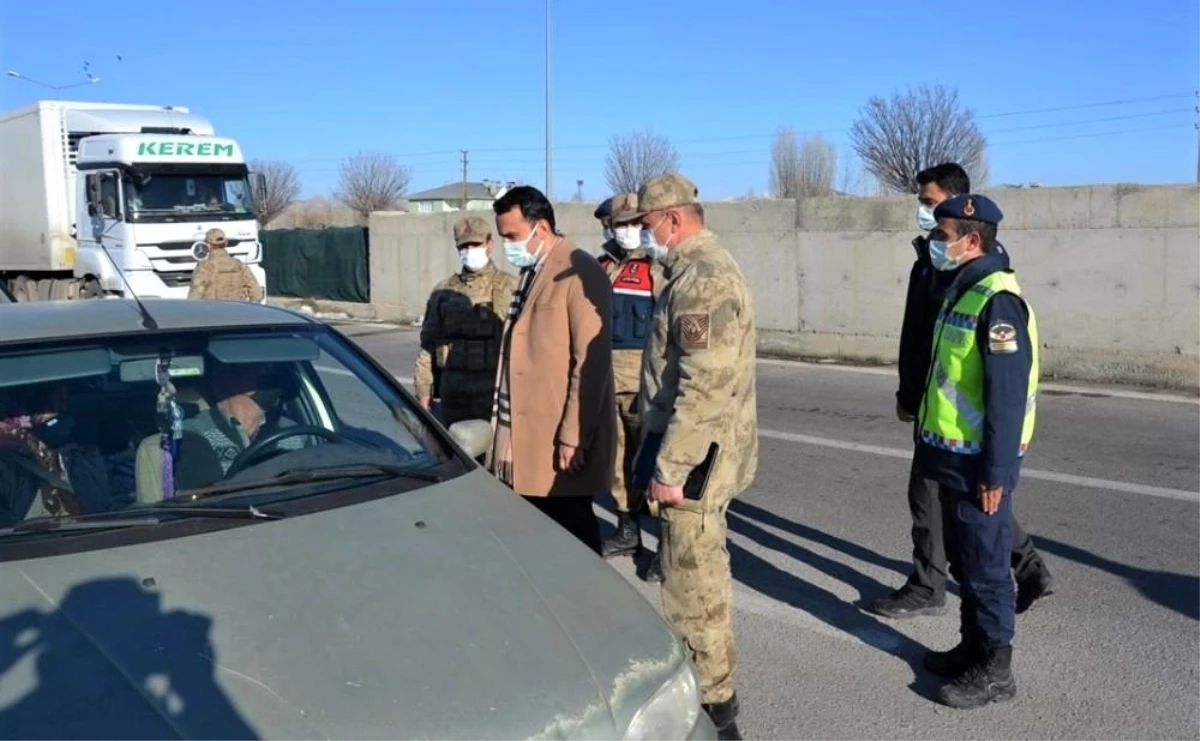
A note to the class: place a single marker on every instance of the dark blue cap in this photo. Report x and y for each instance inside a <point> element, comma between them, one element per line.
<point>604,210</point>
<point>970,207</point>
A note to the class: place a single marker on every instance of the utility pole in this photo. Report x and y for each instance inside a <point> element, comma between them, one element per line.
<point>549,146</point>
<point>464,183</point>
<point>1197,136</point>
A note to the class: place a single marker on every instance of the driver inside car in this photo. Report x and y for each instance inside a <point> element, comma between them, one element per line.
<point>248,406</point>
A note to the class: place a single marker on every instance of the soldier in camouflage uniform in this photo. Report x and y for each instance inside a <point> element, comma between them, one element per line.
<point>637,281</point>
<point>697,389</point>
<point>221,276</point>
<point>460,334</point>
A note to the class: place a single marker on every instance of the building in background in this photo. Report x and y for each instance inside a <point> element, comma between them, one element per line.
<point>449,197</point>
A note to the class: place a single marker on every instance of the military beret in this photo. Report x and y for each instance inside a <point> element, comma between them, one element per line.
<point>970,207</point>
<point>471,230</point>
<point>604,210</point>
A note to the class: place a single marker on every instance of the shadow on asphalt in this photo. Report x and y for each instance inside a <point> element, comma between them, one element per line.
<point>767,579</point>
<point>1177,592</point>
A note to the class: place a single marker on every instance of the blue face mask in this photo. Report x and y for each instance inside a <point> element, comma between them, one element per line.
<point>939,254</point>
<point>925,220</point>
<point>518,252</point>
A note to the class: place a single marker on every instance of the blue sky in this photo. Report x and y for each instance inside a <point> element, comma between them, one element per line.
<point>310,82</point>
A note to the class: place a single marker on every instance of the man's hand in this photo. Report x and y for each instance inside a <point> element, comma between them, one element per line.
<point>902,415</point>
<point>663,494</point>
<point>989,498</point>
<point>570,459</point>
<point>426,402</point>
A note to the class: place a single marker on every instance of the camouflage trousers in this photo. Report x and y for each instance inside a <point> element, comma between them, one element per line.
<point>697,591</point>
<point>628,436</point>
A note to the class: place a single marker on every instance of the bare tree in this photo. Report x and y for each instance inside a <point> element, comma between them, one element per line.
<point>915,129</point>
<point>371,181</point>
<point>802,168</point>
<point>282,188</point>
<point>633,159</point>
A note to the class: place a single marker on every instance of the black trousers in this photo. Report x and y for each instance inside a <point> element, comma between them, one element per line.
<point>575,514</point>
<point>929,544</point>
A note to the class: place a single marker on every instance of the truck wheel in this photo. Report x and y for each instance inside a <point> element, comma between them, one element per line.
<point>90,288</point>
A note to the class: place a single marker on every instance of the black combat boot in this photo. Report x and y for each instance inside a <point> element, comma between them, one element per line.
<point>989,680</point>
<point>626,541</point>
<point>724,717</point>
<point>907,602</point>
<point>955,662</point>
<point>1033,588</point>
<point>654,573</point>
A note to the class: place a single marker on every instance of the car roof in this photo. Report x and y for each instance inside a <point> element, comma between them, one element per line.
<point>54,320</point>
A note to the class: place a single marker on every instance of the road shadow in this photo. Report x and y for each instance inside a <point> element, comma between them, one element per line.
<point>1177,592</point>
<point>850,548</point>
<point>108,663</point>
<point>769,580</point>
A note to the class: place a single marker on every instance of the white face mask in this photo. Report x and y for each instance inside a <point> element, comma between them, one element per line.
<point>939,254</point>
<point>473,259</point>
<point>925,220</point>
<point>651,244</point>
<point>629,237</point>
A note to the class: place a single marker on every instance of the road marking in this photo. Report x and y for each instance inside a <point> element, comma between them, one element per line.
<point>902,454</point>
<point>1032,473</point>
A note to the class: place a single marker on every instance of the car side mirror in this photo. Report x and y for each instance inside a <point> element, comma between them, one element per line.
<point>472,435</point>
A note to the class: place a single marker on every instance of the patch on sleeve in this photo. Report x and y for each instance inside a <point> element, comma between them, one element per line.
<point>694,331</point>
<point>1002,338</point>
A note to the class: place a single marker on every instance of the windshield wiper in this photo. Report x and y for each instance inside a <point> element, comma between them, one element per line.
<point>309,475</point>
<point>120,520</point>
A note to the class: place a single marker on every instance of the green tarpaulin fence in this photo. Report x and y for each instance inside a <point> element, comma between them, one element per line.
<point>329,264</point>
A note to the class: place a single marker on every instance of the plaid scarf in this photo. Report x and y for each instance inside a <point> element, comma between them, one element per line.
<point>499,461</point>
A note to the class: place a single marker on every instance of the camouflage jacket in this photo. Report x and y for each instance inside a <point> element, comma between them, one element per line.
<point>627,364</point>
<point>461,330</point>
<point>698,369</point>
<point>223,277</point>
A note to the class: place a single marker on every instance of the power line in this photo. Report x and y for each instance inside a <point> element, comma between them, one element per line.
<point>748,137</point>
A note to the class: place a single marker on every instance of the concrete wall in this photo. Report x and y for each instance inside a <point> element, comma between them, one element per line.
<point>1112,271</point>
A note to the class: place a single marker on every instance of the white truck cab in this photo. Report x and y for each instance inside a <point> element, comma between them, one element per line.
<point>104,198</point>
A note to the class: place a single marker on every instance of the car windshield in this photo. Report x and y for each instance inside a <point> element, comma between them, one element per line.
<point>169,195</point>
<point>146,423</point>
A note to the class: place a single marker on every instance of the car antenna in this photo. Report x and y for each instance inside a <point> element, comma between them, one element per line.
<point>147,320</point>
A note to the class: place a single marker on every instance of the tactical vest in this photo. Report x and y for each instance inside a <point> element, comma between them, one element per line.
<point>470,336</point>
<point>633,302</point>
<point>953,408</point>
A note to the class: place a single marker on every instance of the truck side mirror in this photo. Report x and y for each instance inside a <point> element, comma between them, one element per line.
<point>259,181</point>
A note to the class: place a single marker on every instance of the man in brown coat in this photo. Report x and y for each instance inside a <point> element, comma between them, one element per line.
<point>221,276</point>
<point>555,414</point>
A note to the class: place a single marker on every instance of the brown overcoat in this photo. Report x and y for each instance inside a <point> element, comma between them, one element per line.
<point>561,377</point>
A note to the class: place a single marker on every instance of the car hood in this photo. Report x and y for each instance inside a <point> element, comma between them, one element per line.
<point>453,611</point>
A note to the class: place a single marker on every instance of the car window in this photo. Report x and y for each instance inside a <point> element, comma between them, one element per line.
<point>136,423</point>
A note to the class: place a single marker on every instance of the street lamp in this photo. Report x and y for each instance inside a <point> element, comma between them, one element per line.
<point>549,153</point>
<point>56,88</point>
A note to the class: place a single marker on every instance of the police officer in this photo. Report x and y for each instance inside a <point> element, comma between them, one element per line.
<point>603,214</point>
<point>699,442</point>
<point>460,334</point>
<point>636,281</point>
<point>220,276</point>
<point>924,593</point>
<point>976,421</point>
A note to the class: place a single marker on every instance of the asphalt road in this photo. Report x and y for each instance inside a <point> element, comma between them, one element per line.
<point>1111,494</point>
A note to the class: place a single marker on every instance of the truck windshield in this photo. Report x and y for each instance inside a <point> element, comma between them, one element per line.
<point>180,196</point>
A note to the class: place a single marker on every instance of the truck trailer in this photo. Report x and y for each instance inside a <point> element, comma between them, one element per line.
<point>100,199</point>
